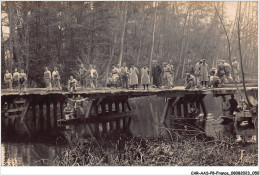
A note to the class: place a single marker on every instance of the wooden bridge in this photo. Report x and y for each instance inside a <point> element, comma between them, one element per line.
<point>105,105</point>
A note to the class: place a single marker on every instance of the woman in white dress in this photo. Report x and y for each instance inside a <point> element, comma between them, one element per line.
<point>133,76</point>
<point>145,78</point>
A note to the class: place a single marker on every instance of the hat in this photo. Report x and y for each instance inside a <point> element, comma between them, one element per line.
<point>164,63</point>
<point>203,59</point>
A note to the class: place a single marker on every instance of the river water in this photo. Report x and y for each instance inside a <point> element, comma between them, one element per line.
<point>19,149</point>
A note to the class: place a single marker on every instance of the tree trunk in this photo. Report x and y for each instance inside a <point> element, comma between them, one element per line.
<point>110,60</point>
<point>122,37</point>
<point>240,54</point>
<point>140,40</point>
<point>181,46</point>
<point>186,48</point>
<point>154,25</point>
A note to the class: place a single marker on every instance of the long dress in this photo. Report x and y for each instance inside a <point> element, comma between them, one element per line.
<point>145,79</point>
<point>133,76</point>
<point>204,68</point>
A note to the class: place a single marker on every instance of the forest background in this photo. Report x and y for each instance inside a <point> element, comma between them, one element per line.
<point>65,34</point>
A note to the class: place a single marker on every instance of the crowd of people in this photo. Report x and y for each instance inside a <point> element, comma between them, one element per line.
<point>17,80</point>
<point>125,78</point>
<point>197,76</point>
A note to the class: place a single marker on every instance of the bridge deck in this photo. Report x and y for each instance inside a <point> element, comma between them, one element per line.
<point>176,91</point>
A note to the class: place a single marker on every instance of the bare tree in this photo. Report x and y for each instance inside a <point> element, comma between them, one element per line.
<point>122,37</point>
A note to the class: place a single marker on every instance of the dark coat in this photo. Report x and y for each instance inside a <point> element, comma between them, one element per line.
<point>156,73</point>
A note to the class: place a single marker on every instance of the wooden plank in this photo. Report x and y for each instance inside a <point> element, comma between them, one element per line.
<point>15,110</point>
<point>13,116</point>
<point>101,118</point>
<point>19,101</point>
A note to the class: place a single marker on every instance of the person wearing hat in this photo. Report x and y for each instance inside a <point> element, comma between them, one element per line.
<point>204,68</point>
<point>197,73</point>
<point>156,74</point>
<point>82,75</point>
<point>189,68</point>
<point>235,66</point>
<point>167,75</point>
<point>190,81</point>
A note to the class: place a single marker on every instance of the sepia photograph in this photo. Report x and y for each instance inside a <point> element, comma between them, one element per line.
<point>129,83</point>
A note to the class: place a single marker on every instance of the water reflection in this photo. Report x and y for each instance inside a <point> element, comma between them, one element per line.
<point>146,123</point>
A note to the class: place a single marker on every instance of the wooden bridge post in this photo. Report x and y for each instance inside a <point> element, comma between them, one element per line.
<point>41,119</point>
<point>117,111</point>
<point>103,112</point>
<point>34,104</point>
<point>61,108</point>
<point>96,125</point>
<point>55,112</point>
<point>111,123</point>
<point>185,108</point>
<point>178,109</point>
<point>124,118</point>
<point>48,114</point>
<point>203,108</point>
<point>198,106</point>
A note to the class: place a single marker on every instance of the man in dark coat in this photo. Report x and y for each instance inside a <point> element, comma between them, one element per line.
<point>233,105</point>
<point>156,73</point>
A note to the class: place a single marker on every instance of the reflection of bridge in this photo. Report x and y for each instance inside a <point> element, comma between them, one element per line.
<point>104,105</point>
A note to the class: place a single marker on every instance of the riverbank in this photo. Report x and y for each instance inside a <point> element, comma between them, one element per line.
<point>181,150</point>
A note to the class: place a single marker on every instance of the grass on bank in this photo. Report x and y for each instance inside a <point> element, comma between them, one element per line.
<point>184,149</point>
